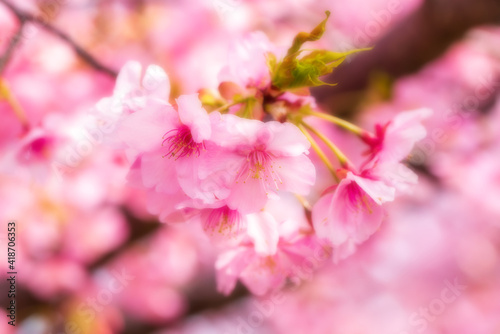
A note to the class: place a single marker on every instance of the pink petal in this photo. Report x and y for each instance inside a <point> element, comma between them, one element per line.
<point>233,131</point>
<point>166,206</point>
<point>247,60</point>
<point>263,230</point>
<point>194,116</point>
<point>264,274</point>
<point>286,139</point>
<point>402,134</point>
<point>134,177</point>
<point>377,190</point>
<point>128,79</point>
<point>297,174</point>
<point>229,266</point>
<point>208,190</point>
<point>217,171</point>
<point>353,214</point>
<point>156,82</point>
<point>323,226</point>
<point>247,196</point>
<point>344,251</point>
<point>348,213</point>
<point>143,130</point>
<point>396,175</point>
<point>159,173</point>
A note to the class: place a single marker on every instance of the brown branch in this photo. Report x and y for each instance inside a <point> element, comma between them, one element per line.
<point>23,17</point>
<point>138,230</point>
<point>13,43</point>
<point>421,37</point>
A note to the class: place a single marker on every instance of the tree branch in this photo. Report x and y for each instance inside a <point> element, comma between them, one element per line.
<point>421,37</point>
<point>13,43</point>
<point>24,17</point>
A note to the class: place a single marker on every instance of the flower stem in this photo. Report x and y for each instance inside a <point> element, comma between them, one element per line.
<point>305,203</point>
<point>344,161</point>
<point>318,151</point>
<point>338,121</point>
<point>14,104</point>
<point>228,105</point>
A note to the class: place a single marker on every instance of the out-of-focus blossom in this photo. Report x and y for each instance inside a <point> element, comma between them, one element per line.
<point>353,212</point>
<point>275,244</point>
<point>392,143</point>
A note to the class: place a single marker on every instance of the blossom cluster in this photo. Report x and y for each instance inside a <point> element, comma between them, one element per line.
<point>92,259</point>
<point>242,162</point>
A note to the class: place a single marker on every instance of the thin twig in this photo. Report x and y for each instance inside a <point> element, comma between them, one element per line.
<point>13,43</point>
<point>23,17</point>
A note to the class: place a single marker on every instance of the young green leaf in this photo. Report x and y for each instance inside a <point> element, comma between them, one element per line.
<point>294,72</point>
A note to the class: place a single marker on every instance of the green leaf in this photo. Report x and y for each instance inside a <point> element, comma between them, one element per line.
<point>294,72</point>
<point>303,37</point>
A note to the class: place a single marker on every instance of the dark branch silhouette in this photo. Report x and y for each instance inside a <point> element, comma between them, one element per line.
<point>24,17</point>
<point>13,43</point>
<point>420,38</point>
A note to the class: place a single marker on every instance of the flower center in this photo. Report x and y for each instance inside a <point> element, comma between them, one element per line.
<point>360,200</point>
<point>180,143</point>
<point>260,166</point>
<point>223,221</point>
<point>38,149</point>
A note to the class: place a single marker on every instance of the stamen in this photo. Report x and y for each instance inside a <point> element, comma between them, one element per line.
<point>260,166</point>
<point>181,143</point>
<point>361,201</point>
<point>223,221</point>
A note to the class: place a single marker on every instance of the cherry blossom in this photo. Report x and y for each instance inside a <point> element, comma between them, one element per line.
<point>353,211</point>
<point>264,159</point>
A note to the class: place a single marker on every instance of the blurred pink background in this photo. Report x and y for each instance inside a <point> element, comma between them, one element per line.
<point>91,259</point>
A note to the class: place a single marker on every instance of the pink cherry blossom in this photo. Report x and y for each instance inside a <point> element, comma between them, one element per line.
<point>247,63</point>
<point>32,154</point>
<point>170,143</point>
<point>391,144</point>
<point>221,223</point>
<point>259,160</point>
<point>276,242</point>
<point>395,140</point>
<point>131,92</point>
<point>353,212</point>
